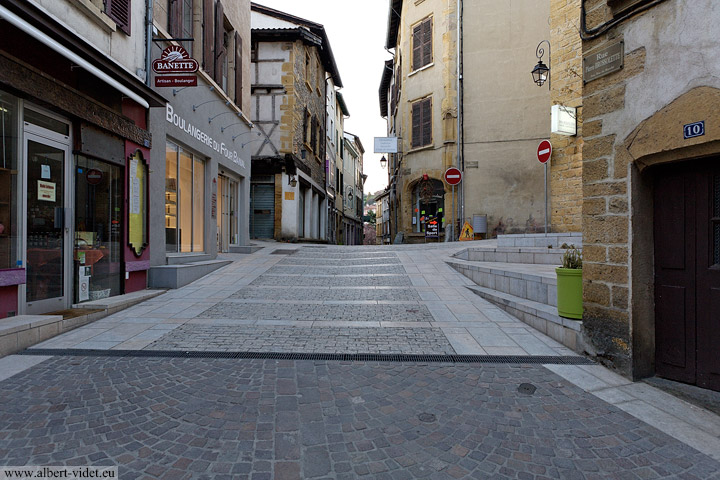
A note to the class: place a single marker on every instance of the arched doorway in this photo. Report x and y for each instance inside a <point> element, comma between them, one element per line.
<point>428,202</point>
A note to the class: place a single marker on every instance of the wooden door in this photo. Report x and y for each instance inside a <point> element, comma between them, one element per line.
<point>687,273</point>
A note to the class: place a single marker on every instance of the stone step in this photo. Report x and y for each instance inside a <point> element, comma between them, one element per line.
<point>530,255</point>
<point>554,240</point>
<point>179,275</point>
<point>540,316</point>
<point>536,282</point>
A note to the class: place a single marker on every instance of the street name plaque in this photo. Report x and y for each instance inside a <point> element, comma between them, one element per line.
<point>604,62</point>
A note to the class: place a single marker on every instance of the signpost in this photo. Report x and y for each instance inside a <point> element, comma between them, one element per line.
<point>544,152</point>
<point>453,176</point>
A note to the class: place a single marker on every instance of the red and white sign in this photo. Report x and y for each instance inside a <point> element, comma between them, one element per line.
<point>175,59</point>
<point>94,176</point>
<point>176,81</point>
<point>453,176</point>
<point>544,151</point>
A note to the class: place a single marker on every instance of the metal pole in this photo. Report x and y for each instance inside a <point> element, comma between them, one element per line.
<point>546,199</point>
<point>452,230</point>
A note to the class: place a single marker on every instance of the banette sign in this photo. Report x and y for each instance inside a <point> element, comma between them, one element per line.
<point>175,59</point>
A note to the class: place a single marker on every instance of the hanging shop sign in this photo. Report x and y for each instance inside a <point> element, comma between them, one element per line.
<point>563,120</point>
<point>175,59</point>
<point>386,145</point>
<point>176,81</point>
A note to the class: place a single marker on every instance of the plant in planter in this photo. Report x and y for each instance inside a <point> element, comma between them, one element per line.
<point>569,284</point>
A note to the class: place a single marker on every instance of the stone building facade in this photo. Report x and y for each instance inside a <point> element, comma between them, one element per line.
<point>200,186</point>
<point>651,188</point>
<point>566,87</point>
<point>291,61</point>
<point>487,121</point>
<point>74,108</point>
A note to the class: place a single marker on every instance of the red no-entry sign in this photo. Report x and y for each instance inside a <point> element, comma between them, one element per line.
<point>453,176</point>
<point>544,151</point>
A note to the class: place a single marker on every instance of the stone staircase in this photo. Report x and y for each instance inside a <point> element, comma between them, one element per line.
<point>518,275</point>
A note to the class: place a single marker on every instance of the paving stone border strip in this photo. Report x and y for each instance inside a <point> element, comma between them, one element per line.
<point>343,357</point>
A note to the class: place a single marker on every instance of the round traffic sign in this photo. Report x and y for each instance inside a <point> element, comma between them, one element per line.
<point>544,151</point>
<point>453,176</point>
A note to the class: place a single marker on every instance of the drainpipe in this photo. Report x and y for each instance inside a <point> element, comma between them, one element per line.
<point>148,40</point>
<point>460,156</point>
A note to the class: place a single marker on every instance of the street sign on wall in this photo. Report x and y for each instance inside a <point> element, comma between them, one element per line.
<point>544,151</point>
<point>453,176</point>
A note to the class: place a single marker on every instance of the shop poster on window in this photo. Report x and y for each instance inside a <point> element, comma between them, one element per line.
<point>137,186</point>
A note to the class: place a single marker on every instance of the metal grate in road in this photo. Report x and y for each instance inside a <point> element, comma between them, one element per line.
<point>281,251</point>
<point>346,357</point>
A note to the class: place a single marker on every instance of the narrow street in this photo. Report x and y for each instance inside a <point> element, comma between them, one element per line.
<point>456,387</point>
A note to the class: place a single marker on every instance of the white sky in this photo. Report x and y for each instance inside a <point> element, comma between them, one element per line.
<point>357,32</point>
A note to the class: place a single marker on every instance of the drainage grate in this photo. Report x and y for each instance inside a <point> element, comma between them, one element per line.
<point>283,252</point>
<point>350,357</point>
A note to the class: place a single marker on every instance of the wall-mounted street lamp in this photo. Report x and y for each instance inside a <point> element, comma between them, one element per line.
<point>292,180</point>
<point>383,162</point>
<point>541,72</point>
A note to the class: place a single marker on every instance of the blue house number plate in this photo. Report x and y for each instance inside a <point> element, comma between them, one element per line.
<point>692,130</point>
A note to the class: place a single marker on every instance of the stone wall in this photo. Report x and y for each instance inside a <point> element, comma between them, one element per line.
<point>633,119</point>
<point>566,89</point>
<point>605,215</point>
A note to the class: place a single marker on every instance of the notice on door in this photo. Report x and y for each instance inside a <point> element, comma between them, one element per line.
<point>46,191</point>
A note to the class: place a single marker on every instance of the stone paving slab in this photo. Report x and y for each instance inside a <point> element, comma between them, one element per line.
<point>289,338</point>
<point>243,419</point>
<point>379,260</point>
<point>313,313</point>
<point>325,293</point>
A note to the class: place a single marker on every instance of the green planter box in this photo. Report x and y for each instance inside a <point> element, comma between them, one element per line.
<point>569,293</point>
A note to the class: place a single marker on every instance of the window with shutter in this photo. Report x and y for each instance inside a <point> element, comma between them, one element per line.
<point>238,70</point>
<point>427,41</point>
<point>313,138</point>
<point>422,44</point>
<point>220,34</point>
<point>421,123</point>
<point>306,126</point>
<point>119,12</point>
<point>209,36</point>
<point>417,46</point>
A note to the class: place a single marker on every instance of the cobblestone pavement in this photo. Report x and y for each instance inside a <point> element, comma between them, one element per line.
<point>262,419</point>
<point>318,312</point>
<point>289,339</point>
<point>399,294</point>
<point>256,419</point>
<point>383,280</point>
